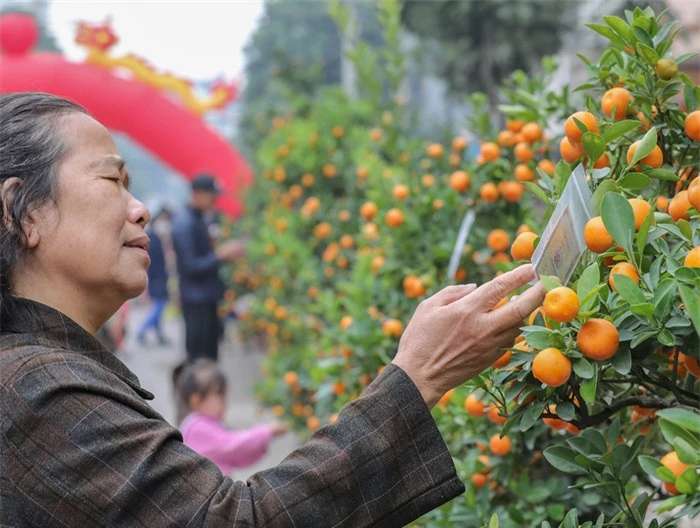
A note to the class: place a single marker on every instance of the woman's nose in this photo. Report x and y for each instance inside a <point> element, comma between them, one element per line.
<point>138,212</point>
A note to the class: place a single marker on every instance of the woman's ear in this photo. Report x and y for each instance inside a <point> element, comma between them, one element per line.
<point>8,191</point>
<point>7,195</point>
<point>30,226</point>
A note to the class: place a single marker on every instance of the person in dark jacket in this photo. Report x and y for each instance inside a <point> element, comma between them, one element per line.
<point>157,275</point>
<point>198,262</point>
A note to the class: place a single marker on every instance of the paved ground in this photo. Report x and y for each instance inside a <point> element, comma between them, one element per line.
<point>154,364</point>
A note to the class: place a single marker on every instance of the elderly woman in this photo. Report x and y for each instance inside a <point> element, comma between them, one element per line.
<point>79,444</point>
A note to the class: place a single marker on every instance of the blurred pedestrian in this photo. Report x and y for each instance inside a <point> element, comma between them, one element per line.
<point>201,393</point>
<point>201,287</point>
<point>159,232</point>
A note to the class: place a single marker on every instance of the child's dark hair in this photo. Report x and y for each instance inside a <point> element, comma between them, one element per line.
<point>202,377</point>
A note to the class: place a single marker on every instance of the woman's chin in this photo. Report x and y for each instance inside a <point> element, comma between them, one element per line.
<point>135,287</point>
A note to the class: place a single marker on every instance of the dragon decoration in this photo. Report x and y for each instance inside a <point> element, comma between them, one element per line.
<point>98,39</point>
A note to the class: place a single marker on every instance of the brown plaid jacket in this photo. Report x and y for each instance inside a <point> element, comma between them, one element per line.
<point>80,447</point>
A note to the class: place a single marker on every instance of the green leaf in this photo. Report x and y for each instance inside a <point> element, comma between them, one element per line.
<point>665,474</point>
<point>532,415</point>
<point>550,282</point>
<point>682,418</point>
<point>647,53</point>
<point>643,234</point>
<point>556,511</point>
<point>566,411</point>
<point>642,36</point>
<point>685,229</point>
<point>687,481</point>
<point>649,464</point>
<point>685,57</point>
<point>585,59</point>
<point>672,432</point>
<point>540,339</point>
<point>593,145</point>
<point>619,26</point>
<point>583,368</point>
<point>515,514</point>
<point>664,295</point>
<point>662,174</point>
<point>618,218</point>
<point>646,146</point>
<point>642,309</point>
<point>619,129</point>
<point>589,388</point>
<point>537,190</point>
<point>678,322</point>
<point>589,302</point>
<point>670,504</point>
<point>583,446</point>
<point>562,458</point>
<point>597,438</point>
<point>692,304</point>
<point>493,523</point>
<point>589,279</point>
<point>687,275</point>
<point>686,452</point>
<point>634,181</point>
<point>666,338</point>
<point>613,431</point>
<point>606,32</point>
<point>603,189</point>
<point>628,289</point>
<point>562,172</point>
<point>690,96</point>
<point>621,455</point>
<point>622,361</point>
<point>571,520</point>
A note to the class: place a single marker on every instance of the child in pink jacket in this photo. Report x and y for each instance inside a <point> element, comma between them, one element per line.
<point>201,389</point>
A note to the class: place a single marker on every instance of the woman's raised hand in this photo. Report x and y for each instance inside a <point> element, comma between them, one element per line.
<point>457,333</point>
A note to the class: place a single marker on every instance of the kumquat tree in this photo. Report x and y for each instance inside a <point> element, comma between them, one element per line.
<point>591,418</point>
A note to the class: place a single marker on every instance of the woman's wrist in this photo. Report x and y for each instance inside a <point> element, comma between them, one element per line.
<point>426,389</point>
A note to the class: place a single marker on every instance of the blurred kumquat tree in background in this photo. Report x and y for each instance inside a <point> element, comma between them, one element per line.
<point>591,418</point>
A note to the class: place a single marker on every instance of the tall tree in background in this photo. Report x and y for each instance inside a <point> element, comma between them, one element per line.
<point>295,51</point>
<point>296,41</point>
<point>480,42</point>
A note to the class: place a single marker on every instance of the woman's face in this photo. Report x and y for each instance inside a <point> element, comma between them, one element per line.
<point>93,237</point>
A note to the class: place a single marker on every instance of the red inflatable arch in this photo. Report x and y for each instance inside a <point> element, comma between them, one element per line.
<point>176,135</point>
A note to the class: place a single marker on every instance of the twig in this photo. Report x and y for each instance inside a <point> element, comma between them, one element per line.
<point>647,402</point>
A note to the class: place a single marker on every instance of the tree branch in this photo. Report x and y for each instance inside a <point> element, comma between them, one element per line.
<point>683,396</point>
<point>649,402</point>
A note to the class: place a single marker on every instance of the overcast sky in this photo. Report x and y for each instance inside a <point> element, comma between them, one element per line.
<point>197,39</point>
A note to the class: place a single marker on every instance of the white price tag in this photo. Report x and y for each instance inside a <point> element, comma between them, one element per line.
<point>462,236</point>
<point>561,244</point>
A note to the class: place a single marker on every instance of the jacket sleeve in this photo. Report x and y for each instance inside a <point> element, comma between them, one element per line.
<point>86,450</point>
<point>189,263</point>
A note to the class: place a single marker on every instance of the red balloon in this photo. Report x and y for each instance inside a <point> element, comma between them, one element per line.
<point>175,135</point>
<point>18,33</point>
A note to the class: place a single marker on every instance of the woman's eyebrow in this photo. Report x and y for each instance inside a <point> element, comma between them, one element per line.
<point>109,161</point>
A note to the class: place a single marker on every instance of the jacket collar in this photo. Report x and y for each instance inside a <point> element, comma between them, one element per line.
<point>48,327</point>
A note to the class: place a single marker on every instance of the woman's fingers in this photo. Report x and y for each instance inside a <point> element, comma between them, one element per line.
<point>488,295</point>
<point>450,294</point>
<point>514,312</point>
